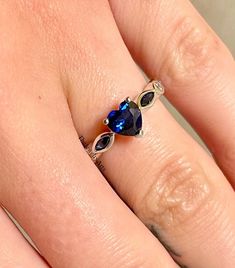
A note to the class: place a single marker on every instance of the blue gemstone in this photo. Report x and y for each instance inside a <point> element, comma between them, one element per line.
<point>127,120</point>
<point>123,105</point>
<point>147,99</point>
<point>102,143</point>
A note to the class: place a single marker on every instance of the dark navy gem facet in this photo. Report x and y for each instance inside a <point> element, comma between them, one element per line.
<point>127,120</point>
<point>102,143</point>
<point>123,105</point>
<point>147,99</point>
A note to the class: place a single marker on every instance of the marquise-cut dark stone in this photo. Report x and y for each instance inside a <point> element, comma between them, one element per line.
<point>147,99</point>
<point>102,143</point>
<point>127,120</point>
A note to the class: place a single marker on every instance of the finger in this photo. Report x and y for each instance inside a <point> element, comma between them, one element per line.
<point>58,195</point>
<point>15,251</point>
<point>61,199</point>
<point>171,41</point>
<point>165,177</point>
<point>48,182</point>
<point>177,191</point>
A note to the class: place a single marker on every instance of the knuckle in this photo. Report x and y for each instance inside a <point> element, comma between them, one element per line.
<point>179,191</point>
<point>190,54</point>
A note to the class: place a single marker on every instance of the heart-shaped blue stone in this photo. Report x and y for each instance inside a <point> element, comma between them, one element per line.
<point>127,120</point>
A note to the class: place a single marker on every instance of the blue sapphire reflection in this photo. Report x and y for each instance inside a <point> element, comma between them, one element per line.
<point>127,120</point>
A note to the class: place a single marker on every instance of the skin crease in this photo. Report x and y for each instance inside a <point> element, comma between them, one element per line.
<point>15,251</point>
<point>61,73</point>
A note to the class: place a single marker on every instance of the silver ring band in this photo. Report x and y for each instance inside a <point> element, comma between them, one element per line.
<point>127,120</point>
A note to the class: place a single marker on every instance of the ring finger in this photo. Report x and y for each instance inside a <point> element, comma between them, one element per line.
<point>165,177</point>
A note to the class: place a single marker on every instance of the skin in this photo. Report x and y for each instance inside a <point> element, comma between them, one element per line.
<point>15,251</point>
<point>63,67</point>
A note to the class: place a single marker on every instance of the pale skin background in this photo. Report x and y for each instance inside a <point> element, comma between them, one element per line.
<point>33,180</point>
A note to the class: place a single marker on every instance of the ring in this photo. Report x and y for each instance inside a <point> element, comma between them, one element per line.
<point>127,120</point>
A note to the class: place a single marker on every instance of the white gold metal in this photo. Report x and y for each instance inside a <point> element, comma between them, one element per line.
<point>112,137</point>
<point>157,85</point>
<point>142,94</point>
<point>153,86</point>
<point>140,134</point>
<point>106,121</point>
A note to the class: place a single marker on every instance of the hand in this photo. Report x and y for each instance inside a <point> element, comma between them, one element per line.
<point>63,67</point>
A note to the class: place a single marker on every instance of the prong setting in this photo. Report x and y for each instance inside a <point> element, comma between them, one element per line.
<point>126,120</point>
<point>140,134</point>
<point>106,121</point>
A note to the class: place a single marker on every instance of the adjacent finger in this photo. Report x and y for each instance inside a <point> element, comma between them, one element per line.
<point>48,181</point>
<point>15,251</point>
<point>165,177</point>
<point>177,191</point>
<point>171,41</point>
